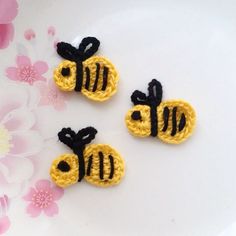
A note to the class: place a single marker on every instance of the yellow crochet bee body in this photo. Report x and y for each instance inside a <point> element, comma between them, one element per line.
<point>98,164</point>
<point>172,121</point>
<point>93,76</point>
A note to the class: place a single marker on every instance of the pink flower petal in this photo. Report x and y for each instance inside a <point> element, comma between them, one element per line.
<point>57,192</point>
<point>41,67</point>
<point>6,34</point>
<point>32,210</point>
<point>41,78</point>
<point>8,10</point>
<point>11,73</point>
<point>51,210</point>
<point>4,224</point>
<point>51,30</point>
<point>23,61</point>
<point>43,184</point>
<point>29,34</point>
<point>59,105</point>
<point>12,98</point>
<point>29,195</point>
<point>19,119</point>
<point>16,170</point>
<point>25,143</point>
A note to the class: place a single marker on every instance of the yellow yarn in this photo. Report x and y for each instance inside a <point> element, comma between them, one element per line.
<point>65,83</point>
<point>136,127</point>
<point>68,83</point>
<point>119,167</point>
<point>64,179</point>
<point>142,128</point>
<point>183,107</point>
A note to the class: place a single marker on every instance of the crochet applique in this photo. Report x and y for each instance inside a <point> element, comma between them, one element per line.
<point>171,121</point>
<point>93,76</point>
<point>98,164</point>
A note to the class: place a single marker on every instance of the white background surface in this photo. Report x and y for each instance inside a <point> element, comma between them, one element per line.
<point>190,46</point>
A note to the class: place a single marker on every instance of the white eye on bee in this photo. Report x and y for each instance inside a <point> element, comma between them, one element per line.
<point>98,164</point>
<point>171,121</point>
<point>93,76</point>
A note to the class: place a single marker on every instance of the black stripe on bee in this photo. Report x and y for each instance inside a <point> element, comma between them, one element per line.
<point>166,113</point>
<point>166,116</point>
<point>101,160</point>
<point>105,74</point>
<point>87,71</point>
<point>97,77</point>
<point>112,166</point>
<point>182,122</point>
<point>90,161</point>
<point>174,122</point>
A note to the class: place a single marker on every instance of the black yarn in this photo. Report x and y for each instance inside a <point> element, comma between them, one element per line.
<point>101,160</point>
<point>174,122</point>
<point>153,100</point>
<point>87,48</point>
<point>166,113</point>
<point>136,115</point>
<point>63,166</point>
<point>87,78</point>
<point>97,77</point>
<point>112,166</point>
<point>79,76</point>
<point>65,71</point>
<point>90,161</point>
<point>105,74</point>
<point>68,52</point>
<point>77,142</point>
<point>182,122</point>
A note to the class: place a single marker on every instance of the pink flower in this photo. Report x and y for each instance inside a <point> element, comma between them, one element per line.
<point>42,198</point>
<point>4,220</point>
<point>51,30</point>
<point>29,34</point>
<point>8,11</point>
<point>50,95</point>
<point>27,72</point>
<point>18,141</point>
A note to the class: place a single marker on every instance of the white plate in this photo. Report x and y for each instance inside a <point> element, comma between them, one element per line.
<point>168,190</point>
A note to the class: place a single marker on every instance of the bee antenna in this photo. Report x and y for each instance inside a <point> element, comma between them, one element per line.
<point>67,51</point>
<point>85,51</point>
<point>154,92</point>
<point>67,136</point>
<point>85,136</point>
<point>139,97</point>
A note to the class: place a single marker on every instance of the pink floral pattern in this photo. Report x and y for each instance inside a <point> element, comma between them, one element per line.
<point>50,95</point>
<point>18,141</point>
<point>26,72</point>
<point>8,11</point>
<point>43,198</point>
<point>4,220</point>
<point>29,34</point>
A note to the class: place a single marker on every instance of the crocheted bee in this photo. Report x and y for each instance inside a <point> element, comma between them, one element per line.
<point>171,121</point>
<point>93,76</point>
<point>99,164</point>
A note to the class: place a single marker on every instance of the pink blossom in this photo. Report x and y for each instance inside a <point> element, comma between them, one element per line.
<point>43,197</point>
<point>51,95</point>
<point>8,11</point>
<point>29,34</point>
<point>51,30</point>
<point>26,72</point>
<point>18,141</point>
<point>4,220</point>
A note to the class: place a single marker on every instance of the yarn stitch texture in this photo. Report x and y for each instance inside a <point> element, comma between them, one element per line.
<point>93,76</point>
<point>98,164</point>
<point>172,121</point>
